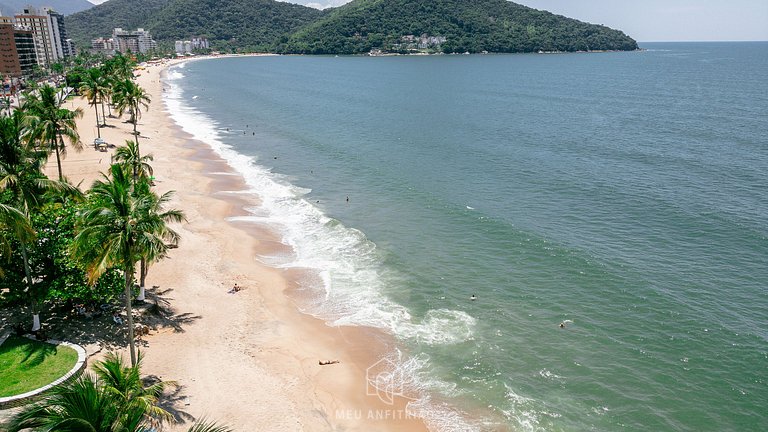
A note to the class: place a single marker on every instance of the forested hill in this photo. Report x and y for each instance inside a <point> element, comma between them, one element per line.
<point>357,27</point>
<point>238,24</point>
<point>466,25</point>
<point>100,20</point>
<point>241,24</point>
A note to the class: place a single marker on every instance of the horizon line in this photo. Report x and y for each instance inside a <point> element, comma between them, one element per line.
<point>703,41</point>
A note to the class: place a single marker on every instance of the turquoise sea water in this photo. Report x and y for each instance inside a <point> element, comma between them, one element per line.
<point>624,192</point>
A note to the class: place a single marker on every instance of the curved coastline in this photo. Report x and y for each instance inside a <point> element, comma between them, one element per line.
<point>337,393</point>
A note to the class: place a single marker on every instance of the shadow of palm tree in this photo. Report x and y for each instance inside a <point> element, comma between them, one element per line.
<point>172,400</point>
<point>36,352</point>
<point>160,313</point>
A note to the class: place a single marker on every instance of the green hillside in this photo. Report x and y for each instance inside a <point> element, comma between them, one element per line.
<point>355,28</point>
<point>228,24</point>
<point>99,21</point>
<point>242,24</point>
<point>466,25</point>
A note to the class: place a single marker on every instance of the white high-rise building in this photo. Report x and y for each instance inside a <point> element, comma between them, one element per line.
<point>139,41</point>
<point>188,46</point>
<point>49,33</point>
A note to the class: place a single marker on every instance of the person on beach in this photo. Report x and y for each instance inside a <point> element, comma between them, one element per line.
<point>329,362</point>
<point>235,289</point>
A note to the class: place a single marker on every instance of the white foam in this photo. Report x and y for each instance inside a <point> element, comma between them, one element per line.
<point>522,411</point>
<point>351,279</point>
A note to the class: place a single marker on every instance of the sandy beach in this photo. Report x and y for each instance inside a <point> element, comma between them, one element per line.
<point>248,359</point>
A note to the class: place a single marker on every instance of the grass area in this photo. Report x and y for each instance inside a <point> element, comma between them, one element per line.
<point>26,364</point>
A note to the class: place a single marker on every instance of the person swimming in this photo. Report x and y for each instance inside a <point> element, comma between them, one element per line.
<point>473,297</point>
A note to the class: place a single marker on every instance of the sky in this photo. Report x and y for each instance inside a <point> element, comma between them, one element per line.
<point>652,20</point>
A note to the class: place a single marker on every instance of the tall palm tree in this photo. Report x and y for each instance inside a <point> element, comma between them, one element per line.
<point>119,228</point>
<point>130,97</point>
<point>92,88</point>
<point>112,400</point>
<point>21,177</point>
<point>155,208</point>
<point>129,158</point>
<point>48,123</point>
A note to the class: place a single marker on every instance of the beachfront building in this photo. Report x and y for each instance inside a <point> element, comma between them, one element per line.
<point>189,46</point>
<point>139,41</point>
<point>17,49</point>
<point>50,34</point>
<point>103,46</point>
<point>62,45</point>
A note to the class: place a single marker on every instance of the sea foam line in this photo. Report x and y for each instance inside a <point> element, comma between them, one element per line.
<point>347,263</point>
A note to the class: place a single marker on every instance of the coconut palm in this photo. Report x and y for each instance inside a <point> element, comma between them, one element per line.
<point>139,166</point>
<point>130,97</point>
<point>130,158</point>
<point>93,89</point>
<point>48,123</point>
<point>111,400</point>
<point>118,229</point>
<point>155,208</point>
<point>125,385</point>
<point>81,405</point>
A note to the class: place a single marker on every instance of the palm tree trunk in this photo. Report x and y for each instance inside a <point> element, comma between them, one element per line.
<point>28,274</point>
<point>103,113</point>
<point>143,277</point>
<point>98,126</point>
<point>129,312</point>
<point>58,159</point>
<point>136,137</point>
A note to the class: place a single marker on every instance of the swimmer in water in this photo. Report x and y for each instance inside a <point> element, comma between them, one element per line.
<point>473,297</point>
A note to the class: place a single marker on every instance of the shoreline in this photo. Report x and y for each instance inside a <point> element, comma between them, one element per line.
<point>249,359</point>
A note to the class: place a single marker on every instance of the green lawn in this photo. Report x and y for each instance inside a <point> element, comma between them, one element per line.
<point>26,364</point>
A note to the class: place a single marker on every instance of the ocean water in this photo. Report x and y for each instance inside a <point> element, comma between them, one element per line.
<point>625,194</point>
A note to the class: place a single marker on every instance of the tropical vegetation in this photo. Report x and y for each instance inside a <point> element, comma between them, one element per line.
<point>71,249</point>
<point>59,245</point>
<point>123,223</point>
<point>354,28</point>
<point>449,26</point>
<point>114,397</point>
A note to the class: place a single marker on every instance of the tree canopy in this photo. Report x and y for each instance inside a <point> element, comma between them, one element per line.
<point>357,27</point>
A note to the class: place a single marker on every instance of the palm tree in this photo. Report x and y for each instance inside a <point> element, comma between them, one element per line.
<point>47,122</point>
<point>81,405</point>
<point>17,222</point>
<point>113,399</point>
<point>154,208</point>
<point>125,385</point>
<point>21,177</point>
<point>92,88</point>
<point>129,157</point>
<point>118,229</point>
<point>129,96</point>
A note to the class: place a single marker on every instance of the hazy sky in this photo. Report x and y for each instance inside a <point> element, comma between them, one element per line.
<point>652,20</point>
<point>655,20</point>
